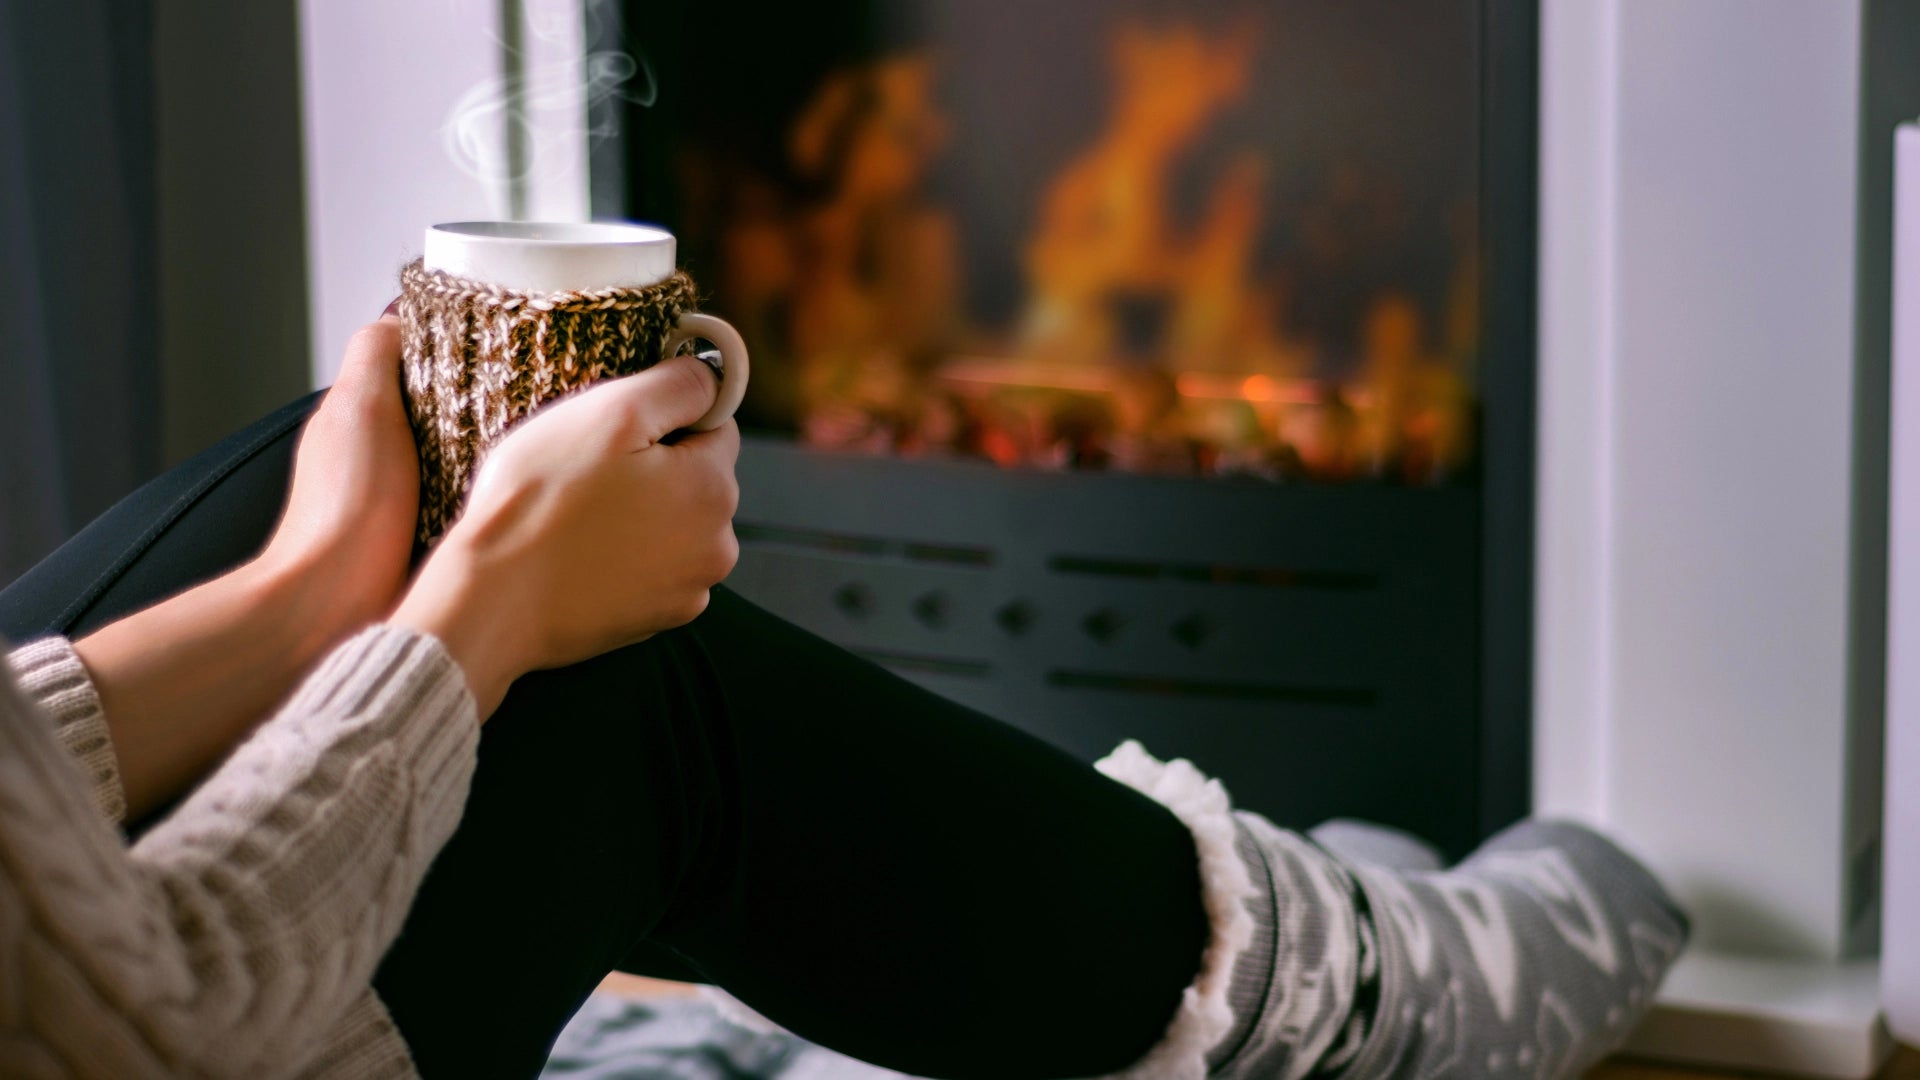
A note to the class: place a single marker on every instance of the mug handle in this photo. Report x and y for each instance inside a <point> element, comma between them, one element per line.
<point>733,362</point>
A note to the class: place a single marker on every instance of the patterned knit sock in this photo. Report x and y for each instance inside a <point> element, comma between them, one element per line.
<point>1532,958</point>
<point>1365,843</point>
<point>1359,843</point>
<point>1293,985</point>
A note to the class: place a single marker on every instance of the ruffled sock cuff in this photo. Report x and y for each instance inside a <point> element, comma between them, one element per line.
<point>1205,1015</point>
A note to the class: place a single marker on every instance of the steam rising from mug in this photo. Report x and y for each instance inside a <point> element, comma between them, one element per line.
<point>534,109</point>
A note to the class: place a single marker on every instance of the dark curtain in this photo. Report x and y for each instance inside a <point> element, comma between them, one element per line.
<point>79,352</point>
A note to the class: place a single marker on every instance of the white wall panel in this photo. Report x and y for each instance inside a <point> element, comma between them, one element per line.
<point>1699,177</point>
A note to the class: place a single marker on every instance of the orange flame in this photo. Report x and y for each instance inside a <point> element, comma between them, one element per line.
<point>863,285</point>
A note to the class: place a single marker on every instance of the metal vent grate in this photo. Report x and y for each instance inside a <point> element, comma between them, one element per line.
<point>1313,646</point>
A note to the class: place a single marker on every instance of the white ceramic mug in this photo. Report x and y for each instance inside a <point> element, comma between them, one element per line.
<point>535,256</point>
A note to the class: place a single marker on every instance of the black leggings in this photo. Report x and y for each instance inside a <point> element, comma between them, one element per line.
<point>736,802</point>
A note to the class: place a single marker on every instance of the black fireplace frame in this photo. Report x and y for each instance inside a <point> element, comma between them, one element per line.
<point>887,577</point>
<point>1509,177</point>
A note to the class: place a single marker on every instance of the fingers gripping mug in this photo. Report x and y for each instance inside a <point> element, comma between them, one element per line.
<point>499,318</point>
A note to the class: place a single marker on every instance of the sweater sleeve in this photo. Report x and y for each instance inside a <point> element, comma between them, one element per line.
<point>51,674</point>
<point>237,937</point>
<point>362,1045</point>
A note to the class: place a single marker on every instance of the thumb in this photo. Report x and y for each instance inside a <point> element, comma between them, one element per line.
<point>663,399</point>
<point>370,369</point>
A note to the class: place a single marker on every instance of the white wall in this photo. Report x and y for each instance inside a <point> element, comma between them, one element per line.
<point>1901,969</point>
<point>382,81</point>
<point>1697,267</point>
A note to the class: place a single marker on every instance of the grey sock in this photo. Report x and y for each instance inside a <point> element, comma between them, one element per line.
<point>1356,842</point>
<point>1292,987</point>
<point>1366,843</point>
<point>1532,958</point>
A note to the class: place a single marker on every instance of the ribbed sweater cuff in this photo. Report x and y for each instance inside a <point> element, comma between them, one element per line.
<point>52,675</point>
<point>406,681</point>
<point>364,1045</point>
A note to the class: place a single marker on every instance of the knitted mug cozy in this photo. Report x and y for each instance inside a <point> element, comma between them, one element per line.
<point>478,358</point>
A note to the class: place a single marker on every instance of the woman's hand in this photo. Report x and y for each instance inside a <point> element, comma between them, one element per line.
<point>585,531</point>
<point>348,526</point>
<point>183,681</point>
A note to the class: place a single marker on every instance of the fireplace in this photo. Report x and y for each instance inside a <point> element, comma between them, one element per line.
<point>1135,369</point>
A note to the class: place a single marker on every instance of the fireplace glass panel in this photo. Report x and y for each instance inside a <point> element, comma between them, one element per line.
<point>1217,238</point>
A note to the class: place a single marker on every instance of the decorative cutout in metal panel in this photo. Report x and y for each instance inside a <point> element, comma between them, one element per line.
<point>1193,631</point>
<point>1016,617</point>
<point>1103,625</point>
<point>1215,574</point>
<point>854,600</point>
<point>932,609</point>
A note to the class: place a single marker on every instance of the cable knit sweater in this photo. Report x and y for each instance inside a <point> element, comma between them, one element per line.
<point>239,936</point>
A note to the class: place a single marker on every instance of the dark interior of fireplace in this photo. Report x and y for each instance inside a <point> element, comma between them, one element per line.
<point>1133,370</point>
